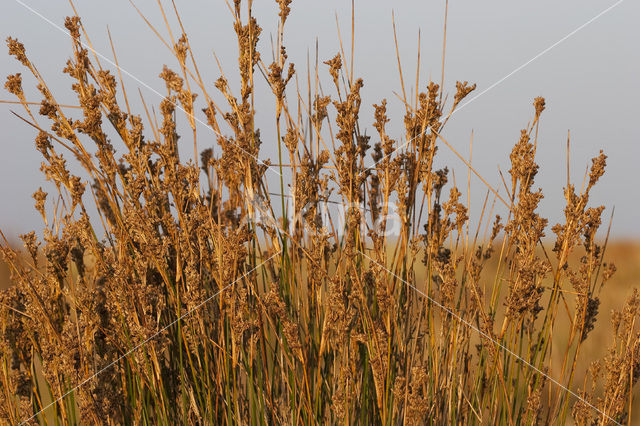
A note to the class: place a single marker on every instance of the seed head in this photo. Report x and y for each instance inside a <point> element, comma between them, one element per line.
<point>14,84</point>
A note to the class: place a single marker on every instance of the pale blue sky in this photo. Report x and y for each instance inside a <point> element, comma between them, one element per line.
<point>590,80</point>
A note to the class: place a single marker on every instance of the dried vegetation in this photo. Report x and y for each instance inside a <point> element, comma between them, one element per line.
<point>180,301</point>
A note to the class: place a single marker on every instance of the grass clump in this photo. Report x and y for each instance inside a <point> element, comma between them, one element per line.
<point>184,299</point>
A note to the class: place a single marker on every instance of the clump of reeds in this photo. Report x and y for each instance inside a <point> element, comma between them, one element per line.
<point>173,303</point>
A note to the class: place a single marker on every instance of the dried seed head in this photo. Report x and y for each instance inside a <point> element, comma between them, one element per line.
<point>31,243</point>
<point>284,9</point>
<point>73,25</point>
<point>380,115</point>
<point>590,316</point>
<point>278,82</point>
<point>291,140</point>
<point>335,65</point>
<point>77,189</point>
<point>523,166</point>
<point>320,107</point>
<point>248,36</point>
<point>40,196</point>
<point>17,49</point>
<point>598,165</point>
<point>14,84</point>
<point>539,105</point>
<point>181,48</point>
<point>462,90</point>
<point>48,109</point>
<point>171,79</point>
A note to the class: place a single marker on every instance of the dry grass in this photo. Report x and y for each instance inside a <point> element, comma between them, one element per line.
<point>182,300</point>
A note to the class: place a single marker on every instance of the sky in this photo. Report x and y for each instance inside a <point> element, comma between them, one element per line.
<point>587,69</point>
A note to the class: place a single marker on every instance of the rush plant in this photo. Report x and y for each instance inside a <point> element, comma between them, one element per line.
<point>169,290</point>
